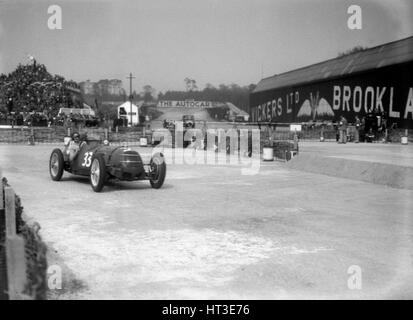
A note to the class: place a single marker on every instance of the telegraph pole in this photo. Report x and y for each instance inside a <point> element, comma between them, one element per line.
<point>130,95</point>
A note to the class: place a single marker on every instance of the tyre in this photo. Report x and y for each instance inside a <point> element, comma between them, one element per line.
<point>56,164</point>
<point>98,173</point>
<point>158,171</point>
<point>287,155</point>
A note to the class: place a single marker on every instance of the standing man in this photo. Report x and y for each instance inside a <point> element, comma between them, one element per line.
<point>363,129</point>
<point>357,131</point>
<point>343,130</point>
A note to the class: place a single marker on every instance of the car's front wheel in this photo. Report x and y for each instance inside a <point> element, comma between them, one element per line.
<point>56,164</point>
<point>97,173</point>
<point>157,171</point>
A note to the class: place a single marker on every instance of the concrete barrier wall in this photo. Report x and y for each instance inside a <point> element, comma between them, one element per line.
<point>23,262</point>
<point>395,176</point>
<point>56,134</point>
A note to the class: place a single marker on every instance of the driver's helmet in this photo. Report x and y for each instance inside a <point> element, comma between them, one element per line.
<point>76,137</point>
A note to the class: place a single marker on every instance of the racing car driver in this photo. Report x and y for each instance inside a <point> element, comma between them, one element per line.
<point>74,146</point>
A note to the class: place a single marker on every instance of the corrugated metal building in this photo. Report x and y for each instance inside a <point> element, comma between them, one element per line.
<point>379,78</point>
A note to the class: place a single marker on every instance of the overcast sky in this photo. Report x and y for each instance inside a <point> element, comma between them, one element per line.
<point>212,41</point>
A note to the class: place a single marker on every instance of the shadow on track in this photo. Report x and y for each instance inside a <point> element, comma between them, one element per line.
<point>115,185</point>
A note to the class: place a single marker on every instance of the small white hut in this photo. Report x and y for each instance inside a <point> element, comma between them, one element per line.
<point>130,111</point>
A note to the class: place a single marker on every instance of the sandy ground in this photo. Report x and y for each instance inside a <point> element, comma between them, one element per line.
<point>213,233</point>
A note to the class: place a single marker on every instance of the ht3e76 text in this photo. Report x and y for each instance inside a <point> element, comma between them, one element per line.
<point>209,309</point>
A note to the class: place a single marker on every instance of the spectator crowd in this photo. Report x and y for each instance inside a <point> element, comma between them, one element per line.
<point>30,95</point>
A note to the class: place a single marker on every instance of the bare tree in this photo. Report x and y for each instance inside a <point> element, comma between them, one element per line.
<point>148,93</point>
<point>190,84</point>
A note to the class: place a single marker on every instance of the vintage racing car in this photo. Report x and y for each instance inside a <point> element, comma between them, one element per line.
<point>101,162</point>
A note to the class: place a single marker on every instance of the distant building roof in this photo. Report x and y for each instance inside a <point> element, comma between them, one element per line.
<point>73,89</point>
<point>68,111</point>
<point>236,110</point>
<point>377,57</point>
<point>127,104</point>
<point>86,106</point>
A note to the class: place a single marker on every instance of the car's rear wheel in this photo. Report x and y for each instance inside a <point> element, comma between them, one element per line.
<point>97,173</point>
<point>157,171</point>
<point>56,164</point>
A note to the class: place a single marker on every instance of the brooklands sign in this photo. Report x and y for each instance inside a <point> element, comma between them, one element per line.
<point>388,90</point>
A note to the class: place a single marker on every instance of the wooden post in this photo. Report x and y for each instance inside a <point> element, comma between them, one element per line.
<point>1,192</point>
<point>10,211</point>
<point>15,251</point>
<point>16,267</point>
<point>3,276</point>
<point>31,139</point>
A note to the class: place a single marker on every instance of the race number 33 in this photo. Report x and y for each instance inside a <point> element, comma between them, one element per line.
<point>87,159</point>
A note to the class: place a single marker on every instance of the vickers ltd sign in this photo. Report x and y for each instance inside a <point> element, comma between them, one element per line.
<point>388,91</point>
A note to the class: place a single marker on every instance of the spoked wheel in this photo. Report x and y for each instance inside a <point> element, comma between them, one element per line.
<point>157,171</point>
<point>56,164</point>
<point>97,173</point>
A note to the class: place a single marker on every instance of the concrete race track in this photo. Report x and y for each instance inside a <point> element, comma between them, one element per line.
<point>213,233</point>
